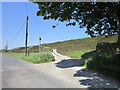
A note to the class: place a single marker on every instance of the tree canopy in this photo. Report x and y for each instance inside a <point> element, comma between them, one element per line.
<point>100,18</point>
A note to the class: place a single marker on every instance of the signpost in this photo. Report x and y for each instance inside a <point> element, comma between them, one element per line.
<point>40,48</point>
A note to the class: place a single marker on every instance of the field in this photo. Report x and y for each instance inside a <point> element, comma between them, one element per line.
<point>74,48</point>
<point>31,49</point>
<point>33,57</point>
<point>77,47</point>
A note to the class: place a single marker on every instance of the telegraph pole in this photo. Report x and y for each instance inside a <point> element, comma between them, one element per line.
<point>6,47</point>
<point>40,48</point>
<point>26,38</point>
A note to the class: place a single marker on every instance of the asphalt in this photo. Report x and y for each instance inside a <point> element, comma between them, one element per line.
<point>64,72</point>
<point>20,74</point>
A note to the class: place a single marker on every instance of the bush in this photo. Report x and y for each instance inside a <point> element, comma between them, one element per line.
<point>45,57</point>
<point>108,64</point>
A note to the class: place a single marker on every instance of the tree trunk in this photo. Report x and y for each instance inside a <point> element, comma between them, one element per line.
<point>118,23</point>
<point>118,28</point>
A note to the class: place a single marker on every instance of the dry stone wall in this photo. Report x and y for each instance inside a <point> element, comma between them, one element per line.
<point>106,47</point>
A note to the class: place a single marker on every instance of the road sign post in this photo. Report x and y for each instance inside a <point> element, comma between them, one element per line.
<point>40,48</point>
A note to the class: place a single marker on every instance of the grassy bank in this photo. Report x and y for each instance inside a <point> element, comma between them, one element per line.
<point>76,47</point>
<point>33,57</point>
<point>77,53</point>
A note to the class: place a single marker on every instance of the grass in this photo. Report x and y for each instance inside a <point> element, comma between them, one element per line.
<point>76,47</point>
<point>70,47</point>
<point>33,57</point>
<point>31,49</point>
<point>78,53</point>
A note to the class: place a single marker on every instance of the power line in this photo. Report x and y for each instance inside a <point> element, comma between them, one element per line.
<point>21,25</point>
<point>18,32</point>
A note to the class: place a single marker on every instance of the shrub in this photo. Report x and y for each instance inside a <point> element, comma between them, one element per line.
<point>108,64</point>
<point>45,57</point>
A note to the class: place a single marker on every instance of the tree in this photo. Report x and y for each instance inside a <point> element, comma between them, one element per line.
<point>100,18</point>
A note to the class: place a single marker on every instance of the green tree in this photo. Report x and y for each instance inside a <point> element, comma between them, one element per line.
<point>100,18</point>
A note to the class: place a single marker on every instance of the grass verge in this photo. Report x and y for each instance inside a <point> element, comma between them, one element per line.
<point>35,58</point>
<point>77,53</point>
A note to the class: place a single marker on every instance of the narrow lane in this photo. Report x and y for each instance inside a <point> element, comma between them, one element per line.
<point>20,74</point>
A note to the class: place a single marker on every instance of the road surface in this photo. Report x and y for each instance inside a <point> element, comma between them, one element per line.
<point>64,72</point>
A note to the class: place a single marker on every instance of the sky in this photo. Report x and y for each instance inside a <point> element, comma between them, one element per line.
<point>13,26</point>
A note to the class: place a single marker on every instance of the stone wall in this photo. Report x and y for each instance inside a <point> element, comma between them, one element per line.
<point>106,47</point>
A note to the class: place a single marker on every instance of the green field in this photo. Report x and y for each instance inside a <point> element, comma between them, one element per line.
<point>77,47</point>
<point>33,57</point>
<point>77,53</point>
<point>74,48</point>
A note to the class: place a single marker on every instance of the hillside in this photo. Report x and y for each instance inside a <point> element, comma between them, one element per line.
<point>71,46</point>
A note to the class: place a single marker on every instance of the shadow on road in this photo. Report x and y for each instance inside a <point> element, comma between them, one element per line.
<point>95,80</point>
<point>85,73</point>
<point>67,63</point>
<point>88,78</point>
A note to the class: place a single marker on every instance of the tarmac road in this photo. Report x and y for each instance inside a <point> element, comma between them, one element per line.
<point>20,74</point>
<point>64,72</point>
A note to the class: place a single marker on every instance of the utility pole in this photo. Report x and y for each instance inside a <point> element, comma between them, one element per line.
<point>26,38</point>
<point>6,46</point>
<point>40,48</point>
